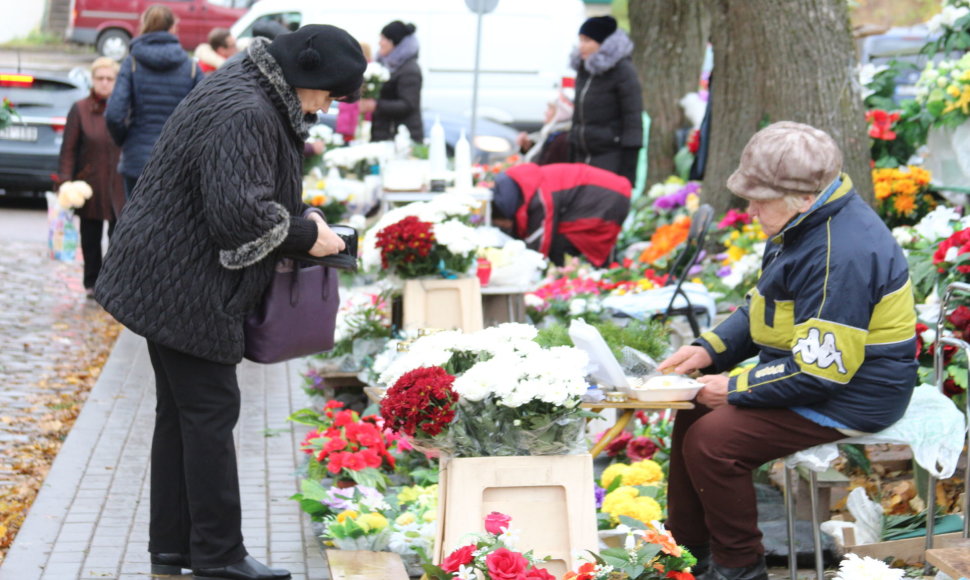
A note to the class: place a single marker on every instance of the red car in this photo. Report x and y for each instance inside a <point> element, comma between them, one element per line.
<point>111,24</point>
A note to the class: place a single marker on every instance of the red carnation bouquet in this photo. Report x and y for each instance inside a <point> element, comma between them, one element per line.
<point>491,555</point>
<point>348,446</point>
<point>954,251</point>
<point>421,405</point>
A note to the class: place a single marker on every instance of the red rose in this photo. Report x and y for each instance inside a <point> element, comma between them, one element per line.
<point>641,448</point>
<point>538,574</point>
<point>679,575</point>
<point>951,388</point>
<point>960,317</point>
<point>495,521</point>
<point>618,445</point>
<point>458,558</point>
<point>504,564</point>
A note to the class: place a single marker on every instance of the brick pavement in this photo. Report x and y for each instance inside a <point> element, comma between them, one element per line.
<point>90,520</point>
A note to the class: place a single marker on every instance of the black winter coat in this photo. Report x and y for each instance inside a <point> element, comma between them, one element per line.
<point>607,115</point>
<point>145,95</point>
<point>400,99</point>
<point>196,244</point>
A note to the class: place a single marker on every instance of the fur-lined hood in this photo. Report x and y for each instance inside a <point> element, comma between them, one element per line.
<point>616,47</point>
<point>404,51</point>
<point>267,65</point>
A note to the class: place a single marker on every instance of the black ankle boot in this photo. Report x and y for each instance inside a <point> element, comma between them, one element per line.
<point>756,571</point>
<point>165,564</point>
<point>703,554</point>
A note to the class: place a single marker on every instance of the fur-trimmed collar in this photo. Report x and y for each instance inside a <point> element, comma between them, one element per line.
<point>616,47</point>
<point>267,65</point>
<point>405,50</point>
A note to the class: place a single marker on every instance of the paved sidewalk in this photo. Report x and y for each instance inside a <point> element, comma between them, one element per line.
<point>90,520</point>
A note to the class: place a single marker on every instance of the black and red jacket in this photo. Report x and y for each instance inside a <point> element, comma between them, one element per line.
<point>567,207</point>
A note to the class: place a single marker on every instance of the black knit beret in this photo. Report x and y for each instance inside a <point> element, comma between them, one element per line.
<point>599,28</point>
<point>322,57</point>
<point>397,30</point>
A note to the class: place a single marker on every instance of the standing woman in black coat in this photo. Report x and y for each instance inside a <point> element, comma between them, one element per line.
<point>400,99</point>
<point>218,204</point>
<point>607,119</point>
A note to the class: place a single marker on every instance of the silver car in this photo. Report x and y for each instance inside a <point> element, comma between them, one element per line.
<point>31,144</point>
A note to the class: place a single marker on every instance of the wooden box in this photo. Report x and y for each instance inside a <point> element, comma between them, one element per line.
<point>443,304</point>
<point>909,550</point>
<point>549,498</point>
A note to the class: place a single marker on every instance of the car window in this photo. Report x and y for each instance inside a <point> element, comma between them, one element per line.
<point>288,20</point>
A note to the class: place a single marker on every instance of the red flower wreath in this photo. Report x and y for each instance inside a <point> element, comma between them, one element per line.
<point>421,402</point>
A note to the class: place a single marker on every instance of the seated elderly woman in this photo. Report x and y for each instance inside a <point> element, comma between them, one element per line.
<point>832,323</point>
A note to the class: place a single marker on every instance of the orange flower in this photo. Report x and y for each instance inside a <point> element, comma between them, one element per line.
<point>905,186</point>
<point>883,189</point>
<point>666,239</point>
<point>904,204</point>
<point>665,541</point>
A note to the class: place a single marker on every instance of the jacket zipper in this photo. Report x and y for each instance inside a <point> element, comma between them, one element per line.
<point>582,118</point>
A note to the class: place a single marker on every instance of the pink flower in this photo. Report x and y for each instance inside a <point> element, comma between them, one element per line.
<point>538,574</point>
<point>504,564</point>
<point>458,558</point>
<point>495,521</point>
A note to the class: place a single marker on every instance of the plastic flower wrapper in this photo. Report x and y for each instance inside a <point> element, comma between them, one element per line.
<point>649,552</point>
<point>854,567</point>
<point>350,530</point>
<point>488,555</point>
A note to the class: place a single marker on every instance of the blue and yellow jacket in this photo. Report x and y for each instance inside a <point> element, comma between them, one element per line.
<point>831,319</point>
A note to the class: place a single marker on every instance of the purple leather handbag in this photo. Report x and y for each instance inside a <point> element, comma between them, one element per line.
<point>297,315</point>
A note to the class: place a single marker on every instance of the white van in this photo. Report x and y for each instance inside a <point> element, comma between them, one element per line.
<point>524,52</point>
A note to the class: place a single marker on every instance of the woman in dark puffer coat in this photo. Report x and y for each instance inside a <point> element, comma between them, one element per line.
<point>218,204</point>
<point>400,99</point>
<point>607,119</point>
<point>152,81</point>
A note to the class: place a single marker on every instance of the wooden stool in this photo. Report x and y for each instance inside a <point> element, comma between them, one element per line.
<point>954,562</point>
<point>363,565</point>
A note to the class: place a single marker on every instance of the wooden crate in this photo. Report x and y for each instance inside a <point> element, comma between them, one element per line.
<point>909,550</point>
<point>443,304</point>
<point>549,498</point>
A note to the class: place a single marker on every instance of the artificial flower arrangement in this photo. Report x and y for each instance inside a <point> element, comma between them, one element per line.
<point>933,250</point>
<point>648,438</point>
<point>484,175</point>
<point>649,552</point>
<point>951,26</point>
<point>7,112</point>
<point>345,446</point>
<point>732,271</point>
<point>352,530</point>
<point>514,397</point>
<point>896,129</point>
<point>359,160</point>
<point>902,194</point>
<point>943,89</point>
<point>490,555</point>
<point>422,239</point>
<point>363,328</point>
<point>333,195</point>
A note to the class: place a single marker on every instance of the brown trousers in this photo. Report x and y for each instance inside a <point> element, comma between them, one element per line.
<point>711,495</point>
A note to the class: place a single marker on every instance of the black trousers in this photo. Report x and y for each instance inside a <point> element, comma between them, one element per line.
<point>91,232</point>
<point>195,506</point>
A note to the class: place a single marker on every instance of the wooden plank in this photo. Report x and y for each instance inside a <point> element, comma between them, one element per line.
<point>645,405</point>
<point>909,550</point>
<point>363,565</point>
<point>954,562</point>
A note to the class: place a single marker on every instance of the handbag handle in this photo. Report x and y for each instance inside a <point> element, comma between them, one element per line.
<point>295,284</point>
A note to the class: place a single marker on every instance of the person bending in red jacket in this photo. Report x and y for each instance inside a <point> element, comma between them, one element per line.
<point>562,208</point>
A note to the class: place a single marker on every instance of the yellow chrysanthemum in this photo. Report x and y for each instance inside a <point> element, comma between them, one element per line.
<point>405,519</point>
<point>347,514</point>
<point>645,509</point>
<point>883,189</point>
<point>372,521</point>
<point>905,186</point>
<point>612,472</point>
<point>734,253</point>
<point>643,472</point>
<point>617,497</point>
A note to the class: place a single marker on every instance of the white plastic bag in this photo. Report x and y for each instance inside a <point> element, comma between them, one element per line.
<point>603,366</point>
<point>62,234</point>
<point>867,515</point>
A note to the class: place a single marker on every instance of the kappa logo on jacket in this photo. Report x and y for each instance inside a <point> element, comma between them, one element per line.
<point>821,353</point>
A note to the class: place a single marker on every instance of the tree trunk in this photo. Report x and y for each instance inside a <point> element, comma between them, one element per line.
<point>670,37</point>
<point>782,61</point>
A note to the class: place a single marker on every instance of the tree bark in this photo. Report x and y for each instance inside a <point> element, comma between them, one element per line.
<point>789,60</point>
<point>671,37</point>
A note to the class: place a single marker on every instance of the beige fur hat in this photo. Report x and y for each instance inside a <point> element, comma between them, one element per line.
<point>786,158</point>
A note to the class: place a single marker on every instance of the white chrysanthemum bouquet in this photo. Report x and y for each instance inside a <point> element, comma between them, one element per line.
<point>865,568</point>
<point>514,397</point>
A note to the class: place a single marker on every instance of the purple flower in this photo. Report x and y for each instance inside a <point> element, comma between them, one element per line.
<point>677,198</point>
<point>600,493</point>
<point>724,272</point>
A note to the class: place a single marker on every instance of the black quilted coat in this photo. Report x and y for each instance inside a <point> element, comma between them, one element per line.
<point>196,245</point>
<point>400,99</point>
